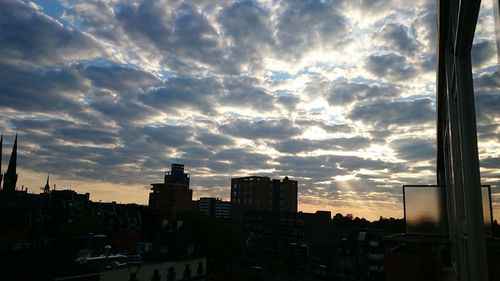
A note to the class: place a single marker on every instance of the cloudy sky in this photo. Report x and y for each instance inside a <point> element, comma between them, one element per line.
<point>340,95</point>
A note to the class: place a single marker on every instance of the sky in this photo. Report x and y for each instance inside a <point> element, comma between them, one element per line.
<point>339,95</point>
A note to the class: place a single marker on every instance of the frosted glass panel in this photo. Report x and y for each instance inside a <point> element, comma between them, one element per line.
<point>485,195</point>
<point>424,213</point>
<point>423,210</point>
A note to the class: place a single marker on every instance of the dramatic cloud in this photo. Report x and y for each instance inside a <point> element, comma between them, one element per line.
<point>29,37</point>
<point>211,139</point>
<point>53,89</point>
<point>262,129</point>
<point>482,51</point>
<point>244,92</point>
<point>180,31</point>
<point>181,93</point>
<point>304,145</point>
<point>338,94</point>
<point>396,36</point>
<point>385,113</point>
<point>414,149</point>
<point>305,24</point>
<point>346,93</point>
<point>487,98</point>
<point>390,66</point>
<point>248,26</point>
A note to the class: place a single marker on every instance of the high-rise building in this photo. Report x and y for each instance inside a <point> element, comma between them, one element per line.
<point>284,195</point>
<point>262,194</point>
<point>173,196</point>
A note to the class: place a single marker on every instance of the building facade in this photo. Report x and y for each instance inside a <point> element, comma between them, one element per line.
<point>284,197</point>
<point>360,256</point>
<point>287,240</point>
<point>262,194</point>
<point>173,196</point>
<point>214,207</point>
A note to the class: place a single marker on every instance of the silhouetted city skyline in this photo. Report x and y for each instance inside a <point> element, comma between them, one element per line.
<point>250,139</point>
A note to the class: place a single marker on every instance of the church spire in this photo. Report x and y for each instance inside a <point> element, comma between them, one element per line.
<point>10,178</point>
<point>46,188</point>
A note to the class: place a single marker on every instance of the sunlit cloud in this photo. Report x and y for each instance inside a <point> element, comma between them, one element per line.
<point>337,94</point>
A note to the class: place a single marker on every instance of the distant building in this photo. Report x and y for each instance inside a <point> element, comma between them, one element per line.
<point>262,194</point>
<point>285,239</point>
<point>171,197</point>
<point>63,209</point>
<point>284,197</point>
<point>169,255</point>
<point>360,256</point>
<point>215,207</point>
<point>122,216</point>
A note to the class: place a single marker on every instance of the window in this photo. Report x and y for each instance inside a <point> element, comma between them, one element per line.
<point>187,271</point>
<point>171,274</point>
<point>164,248</point>
<point>133,276</point>
<point>156,275</point>
<point>200,270</point>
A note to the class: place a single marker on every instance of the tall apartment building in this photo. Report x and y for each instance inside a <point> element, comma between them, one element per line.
<point>214,207</point>
<point>262,194</point>
<point>172,196</point>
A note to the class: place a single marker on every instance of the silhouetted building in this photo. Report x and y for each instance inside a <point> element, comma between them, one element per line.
<point>281,237</point>
<point>170,255</point>
<point>285,240</point>
<point>284,197</point>
<point>360,256</point>
<point>215,207</point>
<point>262,194</point>
<point>10,177</point>
<point>171,197</point>
<point>122,216</point>
<point>61,212</point>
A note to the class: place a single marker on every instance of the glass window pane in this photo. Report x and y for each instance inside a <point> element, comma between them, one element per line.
<point>486,76</point>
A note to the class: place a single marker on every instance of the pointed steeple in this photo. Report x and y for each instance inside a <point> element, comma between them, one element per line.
<point>46,188</point>
<point>10,177</point>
